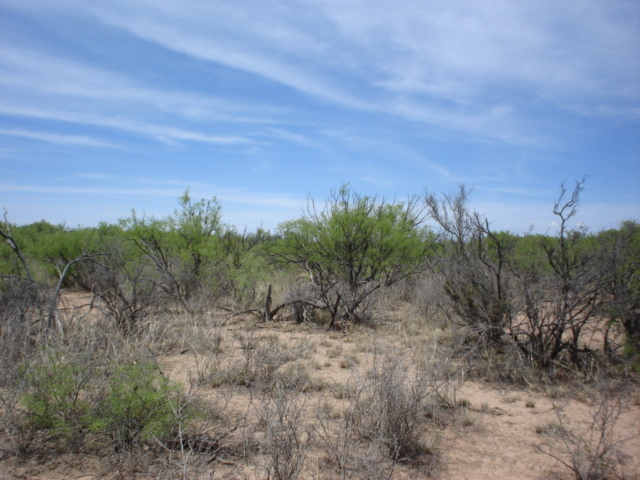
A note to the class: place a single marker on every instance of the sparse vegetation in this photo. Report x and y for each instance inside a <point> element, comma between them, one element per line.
<point>592,451</point>
<point>197,350</point>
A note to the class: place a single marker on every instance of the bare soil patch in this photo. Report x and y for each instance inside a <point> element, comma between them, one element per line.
<point>492,434</point>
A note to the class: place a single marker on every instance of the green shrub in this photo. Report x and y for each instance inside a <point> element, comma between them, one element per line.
<point>354,246</point>
<point>140,404</point>
<point>132,403</point>
<point>58,400</point>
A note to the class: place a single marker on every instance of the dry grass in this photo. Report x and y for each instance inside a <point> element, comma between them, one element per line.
<point>285,400</point>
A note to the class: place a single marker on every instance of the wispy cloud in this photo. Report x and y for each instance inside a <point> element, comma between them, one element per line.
<point>278,99</point>
<point>457,50</point>
<point>95,176</point>
<point>73,190</point>
<point>375,57</point>
<point>414,62</point>
<point>239,195</point>
<point>56,138</point>
<point>192,36</point>
<point>158,132</point>
<point>292,137</point>
<point>229,197</point>
<point>378,182</point>
<point>32,73</point>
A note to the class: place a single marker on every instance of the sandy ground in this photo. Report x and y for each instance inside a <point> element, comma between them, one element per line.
<point>501,444</point>
<point>495,438</point>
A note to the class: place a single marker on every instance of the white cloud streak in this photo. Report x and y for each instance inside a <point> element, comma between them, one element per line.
<point>364,83</point>
<point>158,132</point>
<point>56,138</point>
<point>404,60</point>
<point>466,66</point>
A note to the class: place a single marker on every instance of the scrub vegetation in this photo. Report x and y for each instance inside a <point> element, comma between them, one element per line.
<point>339,346</point>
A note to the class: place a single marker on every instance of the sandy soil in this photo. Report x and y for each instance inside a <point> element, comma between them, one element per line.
<point>495,438</point>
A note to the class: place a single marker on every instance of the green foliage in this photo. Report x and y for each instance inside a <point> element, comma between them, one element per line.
<point>140,404</point>
<point>34,240</point>
<point>56,398</point>
<point>356,245</point>
<point>73,398</point>
<point>535,292</point>
<point>619,252</point>
<point>49,248</point>
<point>182,248</point>
<point>529,256</point>
<point>246,265</point>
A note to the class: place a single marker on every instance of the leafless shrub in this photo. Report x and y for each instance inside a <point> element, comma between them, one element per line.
<point>541,300</point>
<point>374,463</point>
<point>389,416</point>
<point>301,296</point>
<point>393,408</point>
<point>497,364</point>
<point>263,363</point>
<point>287,437</point>
<point>338,437</point>
<point>474,266</point>
<point>208,345</point>
<point>261,357</point>
<point>427,296</point>
<point>592,452</point>
<point>195,449</point>
<point>23,307</point>
<point>125,284</point>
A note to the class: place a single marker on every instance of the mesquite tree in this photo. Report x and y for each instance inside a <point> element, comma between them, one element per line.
<point>181,247</point>
<point>564,299</point>
<point>355,245</point>
<point>474,266</point>
<point>620,255</point>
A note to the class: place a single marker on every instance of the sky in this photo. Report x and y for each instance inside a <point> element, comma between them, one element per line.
<point>112,105</point>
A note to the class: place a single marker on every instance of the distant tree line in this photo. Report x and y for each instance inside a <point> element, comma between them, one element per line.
<point>540,297</point>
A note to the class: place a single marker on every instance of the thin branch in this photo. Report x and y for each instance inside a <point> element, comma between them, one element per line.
<point>54,298</point>
<point>14,245</point>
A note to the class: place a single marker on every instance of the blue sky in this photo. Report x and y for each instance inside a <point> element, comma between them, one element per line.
<point>107,106</point>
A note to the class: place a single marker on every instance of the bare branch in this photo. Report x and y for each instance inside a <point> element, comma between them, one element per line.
<point>14,245</point>
<point>54,298</point>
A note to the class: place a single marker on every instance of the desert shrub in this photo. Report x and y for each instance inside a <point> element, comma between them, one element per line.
<point>124,281</point>
<point>619,253</point>
<point>393,407</point>
<point>23,307</point>
<point>265,364</point>
<point>288,436</point>
<point>246,267</point>
<point>592,451</point>
<point>60,249</point>
<point>527,300</point>
<point>32,243</point>
<point>58,398</point>
<point>354,246</point>
<point>564,300</point>
<point>473,267</point>
<point>72,397</point>
<point>140,405</point>
<point>185,250</point>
